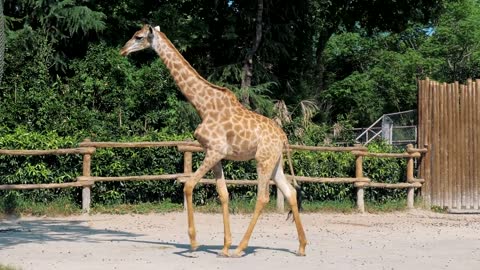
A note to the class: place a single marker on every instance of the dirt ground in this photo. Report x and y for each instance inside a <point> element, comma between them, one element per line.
<point>405,240</point>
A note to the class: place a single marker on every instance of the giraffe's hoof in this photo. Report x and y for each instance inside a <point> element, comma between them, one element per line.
<point>194,246</point>
<point>301,253</point>
<point>238,254</point>
<point>223,254</point>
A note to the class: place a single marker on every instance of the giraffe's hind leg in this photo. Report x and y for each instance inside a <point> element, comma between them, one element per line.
<point>264,169</point>
<point>291,195</point>
<point>223,196</point>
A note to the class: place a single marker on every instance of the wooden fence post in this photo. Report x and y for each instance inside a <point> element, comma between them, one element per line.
<point>86,191</point>
<point>360,186</point>
<point>410,179</point>
<point>187,168</point>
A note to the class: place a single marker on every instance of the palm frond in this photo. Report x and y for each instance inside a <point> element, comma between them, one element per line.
<point>308,109</point>
<point>281,113</point>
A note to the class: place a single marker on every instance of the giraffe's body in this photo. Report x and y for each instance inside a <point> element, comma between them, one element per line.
<point>228,131</point>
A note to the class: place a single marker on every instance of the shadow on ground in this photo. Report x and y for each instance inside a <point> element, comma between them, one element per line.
<point>53,230</point>
<point>40,231</point>
<point>185,251</point>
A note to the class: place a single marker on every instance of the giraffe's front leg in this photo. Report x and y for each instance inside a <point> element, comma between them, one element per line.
<point>223,196</point>
<point>211,158</point>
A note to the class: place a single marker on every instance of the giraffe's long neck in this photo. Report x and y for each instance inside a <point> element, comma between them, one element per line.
<point>193,86</point>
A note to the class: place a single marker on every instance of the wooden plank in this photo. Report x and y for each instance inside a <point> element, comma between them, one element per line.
<point>442,191</point>
<point>387,155</point>
<point>428,105</point>
<point>132,178</point>
<point>328,180</point>
<point>470,145</point>
<point>463,211</point>
<point>422,130</point>
<point>45,186</point>
<point>138,144</point>
<point>476,132</point>
<point>227,181</point>
<point>434,149</point>
<point>391,185</point>
<point>438,146</point>
<point>449,145</point>
<point>457,153</point>
<point>417,150</point>
<point>328,148</point>
<point>192,148</point>
<point>421,120</point>
<point>462,145</point>
<point>66,151</point>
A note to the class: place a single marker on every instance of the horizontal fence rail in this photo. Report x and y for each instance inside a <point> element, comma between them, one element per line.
<point>88,148</point>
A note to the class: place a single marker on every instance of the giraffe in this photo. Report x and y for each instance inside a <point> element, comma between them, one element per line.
<point>229,131</point>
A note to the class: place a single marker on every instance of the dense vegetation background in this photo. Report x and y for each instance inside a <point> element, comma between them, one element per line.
<point>310,64</point>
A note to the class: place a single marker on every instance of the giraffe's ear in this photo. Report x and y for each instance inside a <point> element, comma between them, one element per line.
<point>150,32</point>
<point>157,28</point>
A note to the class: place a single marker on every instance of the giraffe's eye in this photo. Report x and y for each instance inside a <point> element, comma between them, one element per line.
<point>138,37</point>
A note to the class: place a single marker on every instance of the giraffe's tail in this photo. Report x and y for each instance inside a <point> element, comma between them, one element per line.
<point>295,183</point>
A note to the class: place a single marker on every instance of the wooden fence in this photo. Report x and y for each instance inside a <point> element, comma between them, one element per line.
<point>87,181</point>
<point>449,125</point>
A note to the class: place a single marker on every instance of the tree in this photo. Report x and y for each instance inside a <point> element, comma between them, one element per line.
<point>64,24</point>
<point>454,44</point>
<point>373,16</point>
<point>247,70</point>
<point>2,39</point>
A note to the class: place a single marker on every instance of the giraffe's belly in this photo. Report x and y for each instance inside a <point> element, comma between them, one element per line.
<point>241,154</point>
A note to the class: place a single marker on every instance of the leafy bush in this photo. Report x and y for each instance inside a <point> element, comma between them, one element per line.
<point>39,169</point>
<point>384,170</point>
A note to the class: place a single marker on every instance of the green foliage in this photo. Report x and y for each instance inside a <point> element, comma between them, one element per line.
<point>61,23</point>
<point>325,164</point>
<point>455,42</point>
<point>39,169</point>
<point>359,99</point>
<point>8,267</point>
<point>17,203</point>
<point>9,203</point>
<point>384,170</point>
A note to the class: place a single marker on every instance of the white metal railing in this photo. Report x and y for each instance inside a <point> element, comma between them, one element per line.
<point>383,128</point>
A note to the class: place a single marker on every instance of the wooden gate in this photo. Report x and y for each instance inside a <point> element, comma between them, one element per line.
<point>449,125</point>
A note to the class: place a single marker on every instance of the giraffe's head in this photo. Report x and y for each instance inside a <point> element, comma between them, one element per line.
<point>142,39</point>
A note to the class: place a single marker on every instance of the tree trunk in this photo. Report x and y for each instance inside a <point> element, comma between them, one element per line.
<point>247,71</point>
<point>323,38</point>
<point>2,39</point>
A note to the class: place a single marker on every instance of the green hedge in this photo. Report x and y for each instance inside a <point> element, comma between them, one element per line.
<point>144,161</point>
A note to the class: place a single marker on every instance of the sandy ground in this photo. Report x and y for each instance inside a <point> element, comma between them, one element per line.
<point>406,240</point>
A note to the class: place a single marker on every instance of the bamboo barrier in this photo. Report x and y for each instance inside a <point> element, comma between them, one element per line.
<point>88,148</point>
<point>449,122</point>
